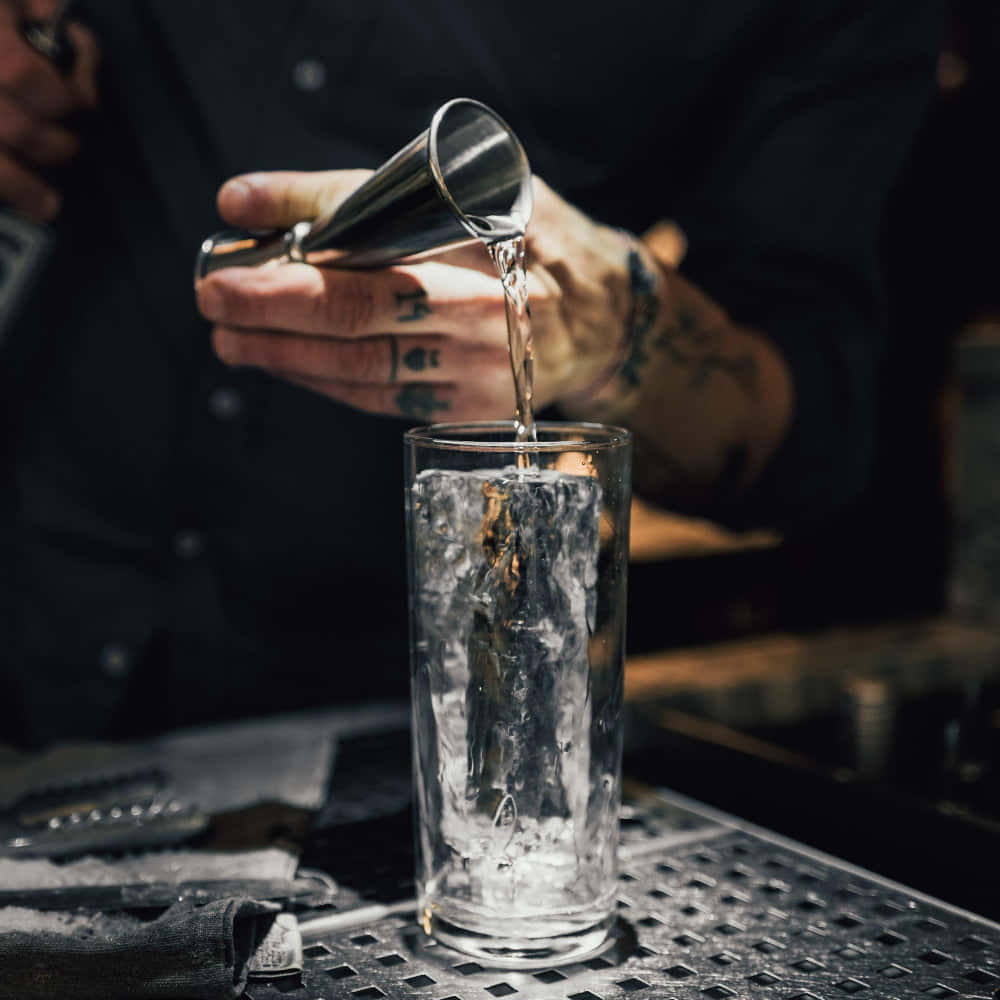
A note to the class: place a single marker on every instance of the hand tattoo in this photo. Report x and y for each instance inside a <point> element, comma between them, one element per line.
<point>643,307</point>
<point>418,401</point>
<point>692,346</point>
<point>417,302</point>
<point>418,358</point>
<point>685,341</point>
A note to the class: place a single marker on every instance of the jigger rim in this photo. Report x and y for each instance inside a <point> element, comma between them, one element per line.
<point>526,193</point>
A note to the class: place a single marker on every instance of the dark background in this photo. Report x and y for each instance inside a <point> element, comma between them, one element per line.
<point>888,555</point>
<point>932,817</point>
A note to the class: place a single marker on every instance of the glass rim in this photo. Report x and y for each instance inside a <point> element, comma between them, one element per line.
<point>589,436</point>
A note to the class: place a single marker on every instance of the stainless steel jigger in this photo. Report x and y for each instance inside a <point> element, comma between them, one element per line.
<point>463,179</point>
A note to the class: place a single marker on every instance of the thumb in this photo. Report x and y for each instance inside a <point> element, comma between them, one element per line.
<point>278,200</point>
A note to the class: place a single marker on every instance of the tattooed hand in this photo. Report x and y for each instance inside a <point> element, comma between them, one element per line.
<point>426,340</point>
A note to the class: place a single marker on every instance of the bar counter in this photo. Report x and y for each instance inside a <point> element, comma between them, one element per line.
<point>710,907</point>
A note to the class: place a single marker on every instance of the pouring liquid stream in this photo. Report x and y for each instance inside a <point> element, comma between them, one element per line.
<point>508,258</point>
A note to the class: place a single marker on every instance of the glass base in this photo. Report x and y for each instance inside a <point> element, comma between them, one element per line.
<point>506,952</point>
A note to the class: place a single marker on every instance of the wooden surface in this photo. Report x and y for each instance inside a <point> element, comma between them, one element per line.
<point>782,677</point>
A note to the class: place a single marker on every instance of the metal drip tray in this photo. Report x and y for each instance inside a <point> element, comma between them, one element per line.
<point>709,908</point>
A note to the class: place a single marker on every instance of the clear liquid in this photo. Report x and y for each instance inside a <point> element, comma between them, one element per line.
<point>508,257</point>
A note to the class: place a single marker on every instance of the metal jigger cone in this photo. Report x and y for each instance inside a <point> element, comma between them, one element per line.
<point>464,178</point>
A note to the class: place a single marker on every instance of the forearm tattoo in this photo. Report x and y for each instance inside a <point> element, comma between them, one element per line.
<point>692,346</point>
<point>686,341</point>
<point>419,402</point>
<point>644,304</point>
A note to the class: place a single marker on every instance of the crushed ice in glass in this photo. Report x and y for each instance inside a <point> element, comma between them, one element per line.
<point>505,593</point>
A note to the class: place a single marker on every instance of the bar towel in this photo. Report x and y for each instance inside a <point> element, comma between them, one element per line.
<point>189,952</point>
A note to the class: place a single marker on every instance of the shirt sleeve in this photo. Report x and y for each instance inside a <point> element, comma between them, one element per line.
<point>783,227</point>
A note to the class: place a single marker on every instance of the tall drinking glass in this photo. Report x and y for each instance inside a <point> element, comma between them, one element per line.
<point>517,564</point>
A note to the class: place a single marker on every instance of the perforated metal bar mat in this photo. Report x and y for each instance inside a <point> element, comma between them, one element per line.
<point>709,908</point>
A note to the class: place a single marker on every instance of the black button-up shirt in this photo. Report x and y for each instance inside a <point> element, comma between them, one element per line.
<point>185,541</point>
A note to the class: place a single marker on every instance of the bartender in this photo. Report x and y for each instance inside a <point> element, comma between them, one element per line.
<point>202,497</point>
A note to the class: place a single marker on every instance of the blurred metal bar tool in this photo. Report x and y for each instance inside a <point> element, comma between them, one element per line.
<point>50,39</point>
<point>465,178</point>
<point>25,245</point>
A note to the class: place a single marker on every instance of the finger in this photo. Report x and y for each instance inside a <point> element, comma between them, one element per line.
<point>27,192</point>
<point>381,360</point>
<point>298,298</point>
<point>415,400</point>
<point>86,60</point>
<point>33,139</point>
<point>279,200</point>
<point>474,256</point>
<point>27,76</point>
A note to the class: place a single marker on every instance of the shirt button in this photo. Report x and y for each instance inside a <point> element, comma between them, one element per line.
<point>189,544</point>
<point>309,75</point>
<point>115,660</point>
<point>225,403</point>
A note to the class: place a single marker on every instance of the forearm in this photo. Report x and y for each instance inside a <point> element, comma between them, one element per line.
<point>708,402</point>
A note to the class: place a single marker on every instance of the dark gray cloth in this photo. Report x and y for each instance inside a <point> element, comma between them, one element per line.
<point>188,952</point>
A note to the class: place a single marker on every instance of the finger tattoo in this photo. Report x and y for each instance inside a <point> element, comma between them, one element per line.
<point>416,302</point>
<point>394,357</point>
<point>419,401</point>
